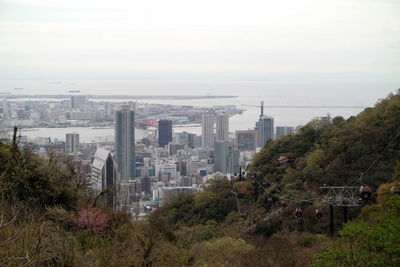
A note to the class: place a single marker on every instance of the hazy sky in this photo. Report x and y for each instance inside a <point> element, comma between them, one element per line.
<point>205,39</point>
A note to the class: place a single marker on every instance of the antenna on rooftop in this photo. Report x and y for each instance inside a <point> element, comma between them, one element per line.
<point>262,108</point>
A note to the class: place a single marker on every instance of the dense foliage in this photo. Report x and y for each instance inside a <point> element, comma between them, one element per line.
<point>25,177</point>
<point>215,204</point>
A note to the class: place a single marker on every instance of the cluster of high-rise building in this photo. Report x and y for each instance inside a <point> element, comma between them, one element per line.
<point>130,174</point>
<point>159,166</point>
<point>250,140</point>
<point>165,164</point>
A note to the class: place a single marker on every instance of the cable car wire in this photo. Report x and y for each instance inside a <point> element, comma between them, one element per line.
<point>376,160</point>
<point>287,198</point>
<point>284,193</point>
<point>311,200</point>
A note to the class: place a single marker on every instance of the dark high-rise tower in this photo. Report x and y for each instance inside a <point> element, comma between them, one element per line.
<point>164,132</point>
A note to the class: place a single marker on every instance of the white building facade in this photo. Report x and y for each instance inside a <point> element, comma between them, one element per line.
<point>207,130</point>
<point>222,126</point>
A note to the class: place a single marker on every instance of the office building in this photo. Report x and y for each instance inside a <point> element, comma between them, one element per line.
<point>207,130</point>
<point>265,129</point>
<point>223,157</point>
<point>173,148</point>
<point>105,176</point>
<point>164,132</point>
<point>182,166</point>
<point>246,140</point>
<point>181,138</point>
<point>222,126</point>
<point>146,185</point>
<point>236,161</point>
<point>192,140</point>
<point>125,141</point>
<point>166,170</point>
<point>86,115</point>
<point>71,143</point>
<point>283,130</point>
<point>324,121</point>
<point>128,193</point>
<point>78,101</point>
<point>6,110</point>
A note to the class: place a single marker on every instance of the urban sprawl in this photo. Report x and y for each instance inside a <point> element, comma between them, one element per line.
<point>138,176</point>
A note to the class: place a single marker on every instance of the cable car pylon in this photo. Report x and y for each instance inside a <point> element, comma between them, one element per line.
<point>340,196</point>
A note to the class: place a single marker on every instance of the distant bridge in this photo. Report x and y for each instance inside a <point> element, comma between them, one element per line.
<point>298,106</point>
<point>133,97</point>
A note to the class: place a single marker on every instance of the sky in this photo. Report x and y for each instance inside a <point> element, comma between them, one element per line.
<point>261,40</point>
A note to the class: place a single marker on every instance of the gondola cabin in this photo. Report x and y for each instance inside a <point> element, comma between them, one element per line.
<point>365,192</point>
<point>318,214</point>
<point>298,213</point>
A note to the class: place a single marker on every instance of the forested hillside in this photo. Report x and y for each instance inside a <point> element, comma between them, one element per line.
<point>362,150</point>
<point>48,218</point>
<point>337,153</point>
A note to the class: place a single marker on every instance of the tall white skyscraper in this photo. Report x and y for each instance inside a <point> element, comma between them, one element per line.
<point>125,141</point>
<point>71,143</point>
<point>207,130</point>
<point>222,127</point>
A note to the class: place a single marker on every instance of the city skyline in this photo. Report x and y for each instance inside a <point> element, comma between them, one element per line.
<point>161,163</point>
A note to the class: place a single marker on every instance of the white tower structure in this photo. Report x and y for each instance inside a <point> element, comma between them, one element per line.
<point>222,126</point>
<point>207,130</point>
